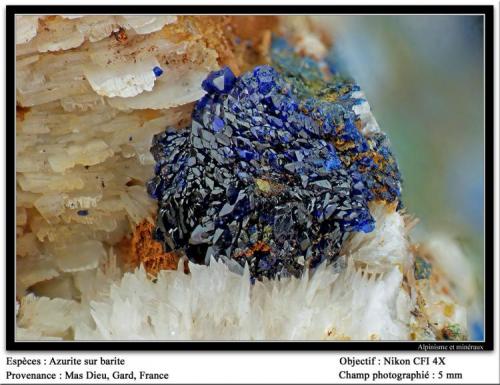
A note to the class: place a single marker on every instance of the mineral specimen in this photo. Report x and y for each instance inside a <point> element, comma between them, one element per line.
<point>91,91</point>
<point>283,144</point>
<point>273,171</point>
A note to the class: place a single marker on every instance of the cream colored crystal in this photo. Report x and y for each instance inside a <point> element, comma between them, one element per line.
<point>26,27</point>
<point>146,24</point>
<point>351,299</point>
<point>386,246</point>
<point>214,303</point>
<point>89,104</point>
<point>130,81</point>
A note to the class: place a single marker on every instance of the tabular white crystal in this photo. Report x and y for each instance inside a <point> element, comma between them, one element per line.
<point>369,124</point>
<point>214,303</point>
<point>26,27</point>
<point>39,314</point>
<point>386,246</point>
<point>146,24</point>
<point>74,149</point>
<point>78,256</point>
<point>174,88</point>
<point>123,80</point>
<point>311,45</point>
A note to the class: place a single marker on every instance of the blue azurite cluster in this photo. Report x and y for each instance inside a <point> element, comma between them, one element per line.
<point>331,104</point>
<point>272,172</point>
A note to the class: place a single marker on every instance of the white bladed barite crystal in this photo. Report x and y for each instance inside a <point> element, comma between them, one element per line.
<point>26,27</point>
<point>359,302</point>
<point>123,80</point>
<point>75,150</point>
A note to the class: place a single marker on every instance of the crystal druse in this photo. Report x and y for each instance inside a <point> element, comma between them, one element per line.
<point>275,169</point>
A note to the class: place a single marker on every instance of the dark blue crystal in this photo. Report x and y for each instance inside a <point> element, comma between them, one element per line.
<point>157,71</point>
<point>219,81</point>
<point>271,170</point>
<point>217,124</point>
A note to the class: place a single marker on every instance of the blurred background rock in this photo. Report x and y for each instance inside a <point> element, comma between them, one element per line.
<point>423,76</point>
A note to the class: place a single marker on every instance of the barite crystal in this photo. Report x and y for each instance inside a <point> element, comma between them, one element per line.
<point>273,170</point>
<point>91,91</point>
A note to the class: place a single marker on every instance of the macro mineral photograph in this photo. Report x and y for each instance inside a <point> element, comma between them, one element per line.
<point>183,177</point>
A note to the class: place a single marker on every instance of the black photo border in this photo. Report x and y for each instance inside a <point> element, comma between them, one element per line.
<point>440,346</point>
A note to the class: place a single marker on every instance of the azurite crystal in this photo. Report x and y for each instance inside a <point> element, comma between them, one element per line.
<point>332,104</point>
<point>273,172</point>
